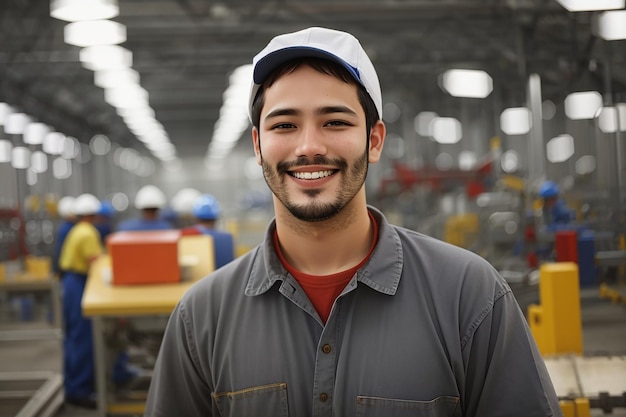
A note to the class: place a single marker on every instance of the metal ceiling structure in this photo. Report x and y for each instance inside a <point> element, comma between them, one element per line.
<point>184,51</point>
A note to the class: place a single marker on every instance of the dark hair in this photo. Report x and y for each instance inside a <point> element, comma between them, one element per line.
<point>324,66</point>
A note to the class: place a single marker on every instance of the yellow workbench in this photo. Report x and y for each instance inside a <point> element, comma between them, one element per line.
<point>102,301</point>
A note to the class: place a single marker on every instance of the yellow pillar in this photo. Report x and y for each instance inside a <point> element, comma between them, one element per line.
<point>567,407</point>
<point>559,293</point>
<point>582,406</point>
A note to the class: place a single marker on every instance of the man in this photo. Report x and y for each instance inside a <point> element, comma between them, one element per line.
<point>82,246</point>
<point>207,211</point>
<point>556,213</point>
<point>149,200</point>
<point>337,312</point>
<point>65,209</point>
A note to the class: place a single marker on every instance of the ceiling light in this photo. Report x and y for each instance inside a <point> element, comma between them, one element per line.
<point>76,10</point>
<point>20,157</point>
<point>446,130</point>
<point>422,122</point>
<point>35,132</point>
<point>611,26</point>
<point>588,5</point>
<point>105,57</point>
<point>94,32</point>
<point>583,105</point>
<point>467,83</point>
<point>515,121</point>
<point>110,78</point>
<point>53,143</point>
<point>39,162</point>
<point>612,119</point>
<point>560,148</point>
<point>15,123</point>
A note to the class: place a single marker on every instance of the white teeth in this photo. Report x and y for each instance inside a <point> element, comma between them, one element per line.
<point>311,175</point>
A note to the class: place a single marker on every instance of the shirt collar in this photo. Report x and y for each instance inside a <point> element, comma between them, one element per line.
<point>382,272</point>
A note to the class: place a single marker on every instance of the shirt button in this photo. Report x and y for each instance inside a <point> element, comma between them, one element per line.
<point>323,397</point>
<point>326,348</point>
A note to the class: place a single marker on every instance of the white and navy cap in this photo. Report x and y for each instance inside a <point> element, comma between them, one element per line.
<point>334,45</point>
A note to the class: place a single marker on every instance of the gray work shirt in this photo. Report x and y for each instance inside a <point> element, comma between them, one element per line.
<point>424,328</point>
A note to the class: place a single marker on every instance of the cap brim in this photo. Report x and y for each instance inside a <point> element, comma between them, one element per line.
<point>271,61</point>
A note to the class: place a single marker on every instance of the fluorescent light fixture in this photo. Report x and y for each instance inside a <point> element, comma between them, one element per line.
<point>611,25</point>
<point>35,132</point>
<point>583,105</point>
<point>446,130</point>
<point>100,145</point>
<point>53,143</point>
<point>105,57</point>
<point>509,161</point>
<point>61,168</point>
<point>610,119</point>
<point>39,162</point>
<point>76,10</point>
<point>6,147</point>
<point>560,148</point>
<point>20,157</point>
<point>585,165</point>
<point>590,5</point>
<point>126,97</point>
<point>421,123</point>
<point>110,78</point>
<point>233,120</point>
<point>515,121</point>
<point>467,160</point>
<point>71,148</point>
<point>94,32</point>
<point>15,123</point>
<point>467,83</point>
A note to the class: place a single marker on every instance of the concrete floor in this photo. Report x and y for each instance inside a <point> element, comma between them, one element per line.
<point>604,333</point>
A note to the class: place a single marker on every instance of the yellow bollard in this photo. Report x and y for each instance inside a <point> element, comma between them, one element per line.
<point>557,323</point>
<point>582,406</point>
<point>567,407</point>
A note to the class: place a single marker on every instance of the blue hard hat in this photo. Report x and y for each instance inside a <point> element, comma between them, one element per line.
<point>206,207</point>
<point>548,189</point>
<point>106,209</point>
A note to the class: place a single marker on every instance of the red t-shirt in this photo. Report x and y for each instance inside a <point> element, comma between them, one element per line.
<point>322,290</point>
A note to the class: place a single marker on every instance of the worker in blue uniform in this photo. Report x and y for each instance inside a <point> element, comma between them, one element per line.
<point>65,209</point>
<point>81,247</point>
<point>149,200</point>
<point>104,222</point>
<point>556,213</point>
<point>207,211</point>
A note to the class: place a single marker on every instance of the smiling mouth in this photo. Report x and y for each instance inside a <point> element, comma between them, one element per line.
<point>315,175</point>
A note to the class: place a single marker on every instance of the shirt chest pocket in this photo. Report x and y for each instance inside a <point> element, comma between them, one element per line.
<point>388,407</point>
<point>265,400</point>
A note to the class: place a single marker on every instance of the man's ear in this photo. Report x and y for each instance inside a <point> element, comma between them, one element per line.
<point>377,139</point>
<point>256,141</point>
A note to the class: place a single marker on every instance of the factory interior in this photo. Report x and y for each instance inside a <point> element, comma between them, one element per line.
<point>504,137</point>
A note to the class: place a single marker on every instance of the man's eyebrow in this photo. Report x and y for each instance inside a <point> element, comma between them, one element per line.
<point>281,112</point>
<point>336,109</point>
<point>320,111</point>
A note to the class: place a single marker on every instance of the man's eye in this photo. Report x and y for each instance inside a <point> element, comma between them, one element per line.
<point>283,126</point>
<point>337,123</point>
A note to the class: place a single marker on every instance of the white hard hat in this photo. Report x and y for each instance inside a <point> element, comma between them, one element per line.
<point>65,206</point>
<point>149,196</point>
<point>182,202</point>
<point>86,204</point>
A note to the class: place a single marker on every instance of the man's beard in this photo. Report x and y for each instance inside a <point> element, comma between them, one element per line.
<point>351,182</point>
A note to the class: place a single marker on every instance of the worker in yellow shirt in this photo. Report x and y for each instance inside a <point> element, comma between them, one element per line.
<point>80,248</point>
